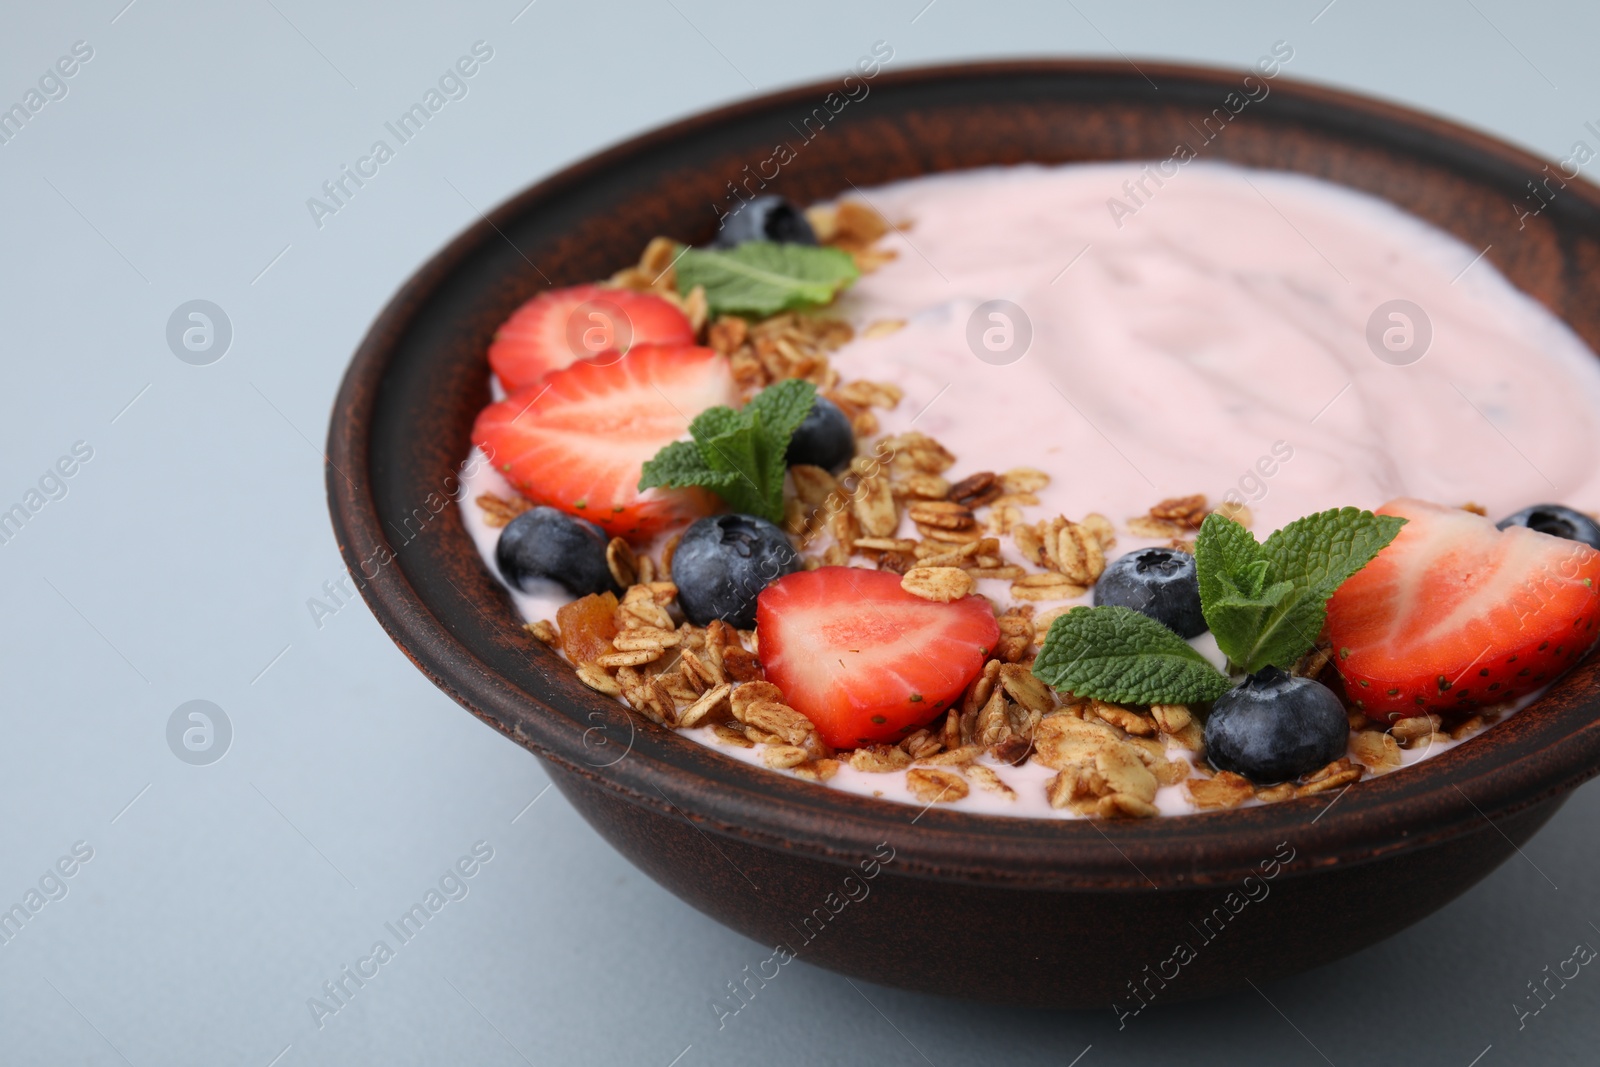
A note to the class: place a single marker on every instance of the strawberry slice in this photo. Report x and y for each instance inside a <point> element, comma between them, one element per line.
<point>578,440</point>
<point>865,660</point>
<point>559,327</point>
<point>1455,613</point>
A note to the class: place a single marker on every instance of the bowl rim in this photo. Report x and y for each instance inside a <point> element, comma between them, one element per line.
<point>1544,751</point>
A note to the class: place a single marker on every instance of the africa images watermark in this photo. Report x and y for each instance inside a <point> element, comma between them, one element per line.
<point>1252,485</point>
<point>339,190</point>
<point>1582,955</point>
<point>342,591</point>
<point>51,486</point>
<point>52,85</point>
<point>1254,90</point>
<point>743,988</point>
<point>52,886</point>
<point>1253,889</point>
<point>453,885</point>
<point>1540,193</point>
<point>852,90</point>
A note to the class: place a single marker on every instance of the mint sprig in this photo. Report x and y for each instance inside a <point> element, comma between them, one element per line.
<point>762,278</point>
<point>738,454</point>
<point>1264,602</point>
<point>1116,654</point>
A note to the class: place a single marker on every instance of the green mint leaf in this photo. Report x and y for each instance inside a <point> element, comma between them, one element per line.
<point>1116,654</point>
<point>783,406</point>
<point>714,422</point>
<point>1266,603</point>
<point>678,466</point>
<point>739,455</point>
<point>1319,552</point>
<point>1253,579</point>
<point>1254,630</point>
<point>778,410</point>
<point>1224,553</point>
<point>763,278</point>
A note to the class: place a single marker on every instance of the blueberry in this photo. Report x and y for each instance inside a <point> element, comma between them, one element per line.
<point>825,439</point>
<point>545,543</point>
<point>766,218</point>
<point>1558,521</point>
<point>1272,727</point>
<point>1158,582</point>
<point>722,564</point>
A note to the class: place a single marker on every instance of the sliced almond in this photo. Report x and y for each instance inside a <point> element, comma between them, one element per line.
<point>1049,586</point>
<point>933,786</point>
<point>879,759</point>
<point>712,700</point>
<point>1170,718</point>
<point>955,757</point>
<point>782,757</point>
<point>1024,480</point>
<point>544,630</point>
<point>920,486</point>
<point>629,659</point>
<point>645,638</point>
<point>598,680</point>
<point>1376,749</point>
<point>1127,805</point>
<point>1224,790</point>
<point>748,693</point>
<point>986,778</point>
<point>1025,688</point>
<point>942,584</point>
<point>874,508</point>
<point>778,719</point>
<point>944,514</point>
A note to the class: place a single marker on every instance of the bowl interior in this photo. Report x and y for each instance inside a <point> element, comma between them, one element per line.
<point>401,425</point>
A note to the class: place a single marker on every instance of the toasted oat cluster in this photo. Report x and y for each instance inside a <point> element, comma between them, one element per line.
<point>1097,758</point>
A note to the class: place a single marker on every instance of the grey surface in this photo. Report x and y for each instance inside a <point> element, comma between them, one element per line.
<point>179,564</point>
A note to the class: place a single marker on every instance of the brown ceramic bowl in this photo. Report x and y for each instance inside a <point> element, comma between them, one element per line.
<point>1065,913</point>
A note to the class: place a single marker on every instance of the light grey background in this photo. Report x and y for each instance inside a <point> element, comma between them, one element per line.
<point>179,563</point>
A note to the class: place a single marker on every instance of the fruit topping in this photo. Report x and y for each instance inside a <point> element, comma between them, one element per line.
<point>543,543</point>
<point>579,440</point>
<point>1159,582</point>
<point>723,562</point>
<point>561,326</point>
<point>824,439</point>
<point>588,626</point>
<point>737,454</point>
<point>865,660</point>
<point>1557,520</point>
<point>1274,727</point>
<point>1457,613</point>
<point>766,218</point>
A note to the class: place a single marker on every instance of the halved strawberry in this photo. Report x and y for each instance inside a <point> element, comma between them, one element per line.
<point>559,327</point>
<point>1455,613</point>
<point>578,440</point>
<point>865,660</point>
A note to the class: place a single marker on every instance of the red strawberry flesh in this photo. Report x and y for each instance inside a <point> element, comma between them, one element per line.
<point>578,440</point>
<point>865,660</point>
<point>1455,614</point>
<point>559,327</point>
